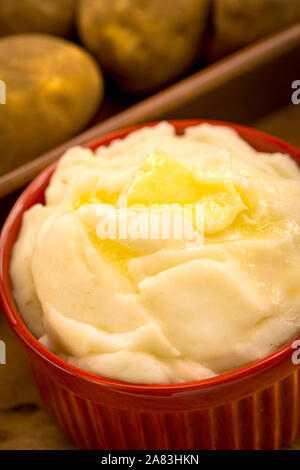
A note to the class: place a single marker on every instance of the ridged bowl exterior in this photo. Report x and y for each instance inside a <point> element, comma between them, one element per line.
<point>255,407</point>
<point>267,418</point>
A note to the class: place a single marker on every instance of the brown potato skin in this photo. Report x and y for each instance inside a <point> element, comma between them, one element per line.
<point>37,16</point>
<point>240,22</point>
<point>143,44</point>
<point>53,88</point>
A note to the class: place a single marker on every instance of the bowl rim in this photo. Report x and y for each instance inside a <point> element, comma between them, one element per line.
<point>28,198</point>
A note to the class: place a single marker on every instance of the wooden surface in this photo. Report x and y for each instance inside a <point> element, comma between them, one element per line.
<point>24,424</point>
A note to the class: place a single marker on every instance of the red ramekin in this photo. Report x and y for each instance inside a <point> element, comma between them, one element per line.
<point>254,407</point>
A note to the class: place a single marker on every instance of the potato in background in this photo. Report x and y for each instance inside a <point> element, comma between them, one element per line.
<point>143,44</point>
<point>239,22</point>
<point>53,89</point>
<point>37,16</point>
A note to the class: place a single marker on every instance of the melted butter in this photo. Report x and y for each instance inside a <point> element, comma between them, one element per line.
<point>97,197</point>
<point>163,180</point>
<point>113,252</point>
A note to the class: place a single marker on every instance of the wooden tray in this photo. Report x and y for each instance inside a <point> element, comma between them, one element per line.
<point>242,88</point>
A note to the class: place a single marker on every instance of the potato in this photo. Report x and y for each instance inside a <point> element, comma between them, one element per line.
<point>239,22</point>
<point>53,89</point>
<point>143,44</point>
<point>36,16</point>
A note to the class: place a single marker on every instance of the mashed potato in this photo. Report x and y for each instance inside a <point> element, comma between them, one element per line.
<point>163,309</point>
